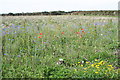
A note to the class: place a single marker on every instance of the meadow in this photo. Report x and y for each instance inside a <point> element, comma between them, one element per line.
<point>32,46</point>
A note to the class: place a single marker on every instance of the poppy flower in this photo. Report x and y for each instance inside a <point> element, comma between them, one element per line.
<point>84,32</point>
<point>82,29</point>
<point>77,32</point>
<point>40,33</point>
<point>62,32</point>
<point>40,37</point>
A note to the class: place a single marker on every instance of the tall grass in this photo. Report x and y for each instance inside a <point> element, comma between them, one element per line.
<point>33,45</point>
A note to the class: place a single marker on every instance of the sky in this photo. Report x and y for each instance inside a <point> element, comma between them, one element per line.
<point>19,6</point>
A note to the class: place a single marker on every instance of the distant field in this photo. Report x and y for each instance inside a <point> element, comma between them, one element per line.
<point>32,46</point>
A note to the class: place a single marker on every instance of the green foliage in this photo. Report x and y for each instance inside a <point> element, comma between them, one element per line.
<point>33,46</point>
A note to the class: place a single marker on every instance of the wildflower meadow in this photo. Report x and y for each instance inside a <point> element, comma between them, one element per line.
<point>32,46</point>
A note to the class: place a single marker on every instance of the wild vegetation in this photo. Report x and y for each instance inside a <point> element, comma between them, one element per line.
<point>95,12</point>
<point>32,46</point>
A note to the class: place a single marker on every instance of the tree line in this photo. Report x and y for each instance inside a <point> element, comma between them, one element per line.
<point>101,12</point>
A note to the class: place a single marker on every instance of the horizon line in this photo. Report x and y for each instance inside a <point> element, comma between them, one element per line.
<point>56,10</point>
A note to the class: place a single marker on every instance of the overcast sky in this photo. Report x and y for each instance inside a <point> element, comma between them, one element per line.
<point>16,6</point>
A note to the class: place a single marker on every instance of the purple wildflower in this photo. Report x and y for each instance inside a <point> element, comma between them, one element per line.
<point>19,56</point>
<point>5,54</point>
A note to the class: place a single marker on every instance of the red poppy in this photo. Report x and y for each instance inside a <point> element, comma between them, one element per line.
<point>62,32</point>
<point>40,33</point>
<point>40,37</point>
<point>77,32</point>
<point>84,32</point>
<point>82,29</point>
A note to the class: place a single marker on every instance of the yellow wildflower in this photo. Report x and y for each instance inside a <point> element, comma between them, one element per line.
<point>92,65</point>
<point>101,62</point>
<point>97,67</point>
<point>78,62</point>
<point>81,65</point>
<point>96,59</point>
<point>87,62</point>
<point>85,68</point>
<point>96,72</point>
<point>110,65</point>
